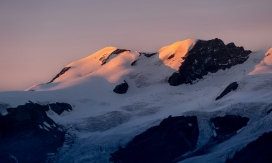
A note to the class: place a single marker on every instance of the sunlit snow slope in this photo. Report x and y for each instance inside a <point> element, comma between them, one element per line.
<point>110,67</point>
<point>265,66</point>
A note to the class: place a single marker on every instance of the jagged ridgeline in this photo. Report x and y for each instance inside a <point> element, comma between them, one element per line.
<point>208,57</point>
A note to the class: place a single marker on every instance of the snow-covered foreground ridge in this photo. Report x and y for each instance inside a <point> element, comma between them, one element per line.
<point>79,110</point>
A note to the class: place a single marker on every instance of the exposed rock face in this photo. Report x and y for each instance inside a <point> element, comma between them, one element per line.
<point>233,86</point>
<point>121,88</point>
<point>208,56</point>
<point>27,134</point>
<point>171,56</point>
<point>258,151</point>
<point>59,74</point>
<point>118,51</point>
<point>148,54</point>
<point>105,57</point>
<point>228,124</point>
<point>133,63</point>
<point>60,107</point>
<point>173,137</point>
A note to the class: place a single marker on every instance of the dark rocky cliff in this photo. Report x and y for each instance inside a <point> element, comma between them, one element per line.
<point>163,143</point>
<point>208,56</point>
<point>175,139</point>
<point>27,134</point>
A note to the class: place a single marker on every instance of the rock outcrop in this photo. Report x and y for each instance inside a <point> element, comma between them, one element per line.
<point>227,125</point>
<point>60,107</point>
<point>233,86</point>
<point>59,74</point>
<point>207,57</point>
<point>118,51</point>
<point>121,88</point>
<point>173,137</point>
<point>147,54</point>
<point>105,57</point>
<point>27,134</point>
<point>133,63</point>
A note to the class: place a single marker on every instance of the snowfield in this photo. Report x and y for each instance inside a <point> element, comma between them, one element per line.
<point>102,120</point>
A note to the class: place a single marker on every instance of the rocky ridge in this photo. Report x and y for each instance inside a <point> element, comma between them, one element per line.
<point>207,57</point>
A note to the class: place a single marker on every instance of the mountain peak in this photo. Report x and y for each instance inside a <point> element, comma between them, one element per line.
<point>115,65</point>
<point>208,57</point>
<point>173,55</point>
<point>186,60</point>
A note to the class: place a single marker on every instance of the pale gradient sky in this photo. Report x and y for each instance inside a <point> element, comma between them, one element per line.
<point>38,38</point>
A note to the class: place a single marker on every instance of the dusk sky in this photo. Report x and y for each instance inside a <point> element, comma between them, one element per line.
<point>39,38</point>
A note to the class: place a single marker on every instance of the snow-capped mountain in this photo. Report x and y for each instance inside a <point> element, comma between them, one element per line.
<point>112,65</point>
<point>191,101</point>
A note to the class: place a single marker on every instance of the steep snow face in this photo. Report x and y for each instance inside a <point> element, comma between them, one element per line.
<point>114,65</point>
<point>265,66</point>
